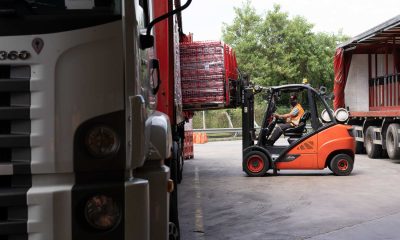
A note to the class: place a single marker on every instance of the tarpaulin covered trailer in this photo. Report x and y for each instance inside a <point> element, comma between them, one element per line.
<point>367,83</point>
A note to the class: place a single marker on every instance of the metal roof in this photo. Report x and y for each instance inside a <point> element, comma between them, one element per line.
<point>380,34</point>
<point>292,87</point>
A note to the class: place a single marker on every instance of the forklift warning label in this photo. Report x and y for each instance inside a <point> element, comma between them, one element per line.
<point>307,145</point>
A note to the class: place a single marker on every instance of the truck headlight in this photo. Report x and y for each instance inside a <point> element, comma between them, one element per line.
<point>102,212</point>
<point>102,141</point>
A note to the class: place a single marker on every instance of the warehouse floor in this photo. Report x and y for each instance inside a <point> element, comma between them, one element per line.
<point>218,201</point>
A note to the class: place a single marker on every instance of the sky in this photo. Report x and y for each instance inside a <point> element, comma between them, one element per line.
<point>205,18</point>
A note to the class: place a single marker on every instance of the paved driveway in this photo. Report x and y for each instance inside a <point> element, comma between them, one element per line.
<point>218,201</point>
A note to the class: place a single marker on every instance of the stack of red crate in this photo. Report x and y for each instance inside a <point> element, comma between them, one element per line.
<point>206,69</point>
<point>188,152</point>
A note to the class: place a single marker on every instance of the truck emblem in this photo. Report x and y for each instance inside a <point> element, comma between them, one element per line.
<point>37,45</point>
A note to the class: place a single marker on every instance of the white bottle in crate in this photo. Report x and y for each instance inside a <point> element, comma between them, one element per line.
<point>189,125</point>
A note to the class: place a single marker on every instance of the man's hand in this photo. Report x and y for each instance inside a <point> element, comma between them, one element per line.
<point>277,115</point>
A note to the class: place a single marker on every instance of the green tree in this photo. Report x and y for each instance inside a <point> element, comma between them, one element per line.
<point>275,49</point>
<point>241,36</point>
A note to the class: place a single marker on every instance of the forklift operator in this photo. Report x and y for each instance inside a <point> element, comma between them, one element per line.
<point>292,120</point>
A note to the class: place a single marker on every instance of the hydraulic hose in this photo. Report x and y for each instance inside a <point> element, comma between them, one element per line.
<point>167,15</point>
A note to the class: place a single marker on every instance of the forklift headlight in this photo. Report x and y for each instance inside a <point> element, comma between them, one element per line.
<point>102,212</point>
<point>325,116</point>
<point>341,115</point>
<point>102,141</point>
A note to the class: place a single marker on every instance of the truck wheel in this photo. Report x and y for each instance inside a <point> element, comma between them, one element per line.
<point>392,141</point>
<point>360,149</point>
<point>255,163</point>
<point>180,169</point>
<point>173,232</point>
<point>373,150</point>
<point>179,157</point>
<point>173,205</point>
<point>174,228</point>
<point>341,164</point>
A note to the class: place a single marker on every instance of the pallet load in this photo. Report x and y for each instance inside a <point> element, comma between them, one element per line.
<point>209,74</point>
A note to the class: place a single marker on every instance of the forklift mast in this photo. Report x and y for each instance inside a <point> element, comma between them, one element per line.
<point>248,130</point>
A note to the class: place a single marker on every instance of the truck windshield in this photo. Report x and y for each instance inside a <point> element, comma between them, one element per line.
<point>9,8</point>
<point>27,17</point>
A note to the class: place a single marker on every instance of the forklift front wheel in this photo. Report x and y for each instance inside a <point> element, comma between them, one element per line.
<point>255,163</point>
<point>341,164</point>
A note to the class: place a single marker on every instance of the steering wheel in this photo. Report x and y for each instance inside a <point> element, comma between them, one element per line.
<point>270,127</point>
<point>270,121</point>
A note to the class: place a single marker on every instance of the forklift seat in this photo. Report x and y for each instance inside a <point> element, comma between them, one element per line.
<point>297,132</point>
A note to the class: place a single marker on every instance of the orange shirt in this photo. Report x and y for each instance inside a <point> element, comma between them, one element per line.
<point>297,111</point>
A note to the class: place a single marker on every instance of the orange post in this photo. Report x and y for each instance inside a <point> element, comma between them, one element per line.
<point>201,138</point>
<point>205,138</point>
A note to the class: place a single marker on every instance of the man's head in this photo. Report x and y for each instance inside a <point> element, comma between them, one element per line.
<point>293,100</point>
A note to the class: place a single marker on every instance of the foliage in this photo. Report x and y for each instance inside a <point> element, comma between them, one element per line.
<point>275,49</point>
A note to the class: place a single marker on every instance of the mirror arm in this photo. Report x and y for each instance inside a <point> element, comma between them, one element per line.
<point>147,41</point>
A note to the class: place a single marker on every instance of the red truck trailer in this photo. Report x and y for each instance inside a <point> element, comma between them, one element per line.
<point>169,100</point>
<point>190,79</point>
<point>367,83</point>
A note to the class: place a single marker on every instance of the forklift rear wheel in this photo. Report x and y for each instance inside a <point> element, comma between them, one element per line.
<point>392,141</point>
<point>341,164</point>
<point>255,163</point>
<point>373,150</point>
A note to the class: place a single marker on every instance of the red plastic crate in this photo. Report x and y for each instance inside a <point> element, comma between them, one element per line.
<point>188,145</point>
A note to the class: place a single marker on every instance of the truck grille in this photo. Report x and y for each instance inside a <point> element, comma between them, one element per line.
<point>15,153</point>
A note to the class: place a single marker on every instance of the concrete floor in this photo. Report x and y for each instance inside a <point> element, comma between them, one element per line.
<point>218,201</point>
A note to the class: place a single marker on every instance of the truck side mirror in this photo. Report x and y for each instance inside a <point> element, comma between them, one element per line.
<point>322,90</point>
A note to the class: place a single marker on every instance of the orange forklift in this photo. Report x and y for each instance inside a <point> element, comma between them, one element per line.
<point>320,140</point>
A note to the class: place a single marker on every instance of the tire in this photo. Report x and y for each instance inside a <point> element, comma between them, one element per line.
<point>384,154</point>
<point>373,150</point>
<point>180,169</point>
<point>255,163</point>
<point>172,163</point>
<point>341,164</point>
<point>180,162</point>
<point>173,203</point>
<point>173,232</point>
<point>392,141</point>
<point>360,149</point>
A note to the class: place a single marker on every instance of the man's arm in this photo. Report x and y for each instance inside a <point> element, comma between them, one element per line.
<point>293,113</point>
